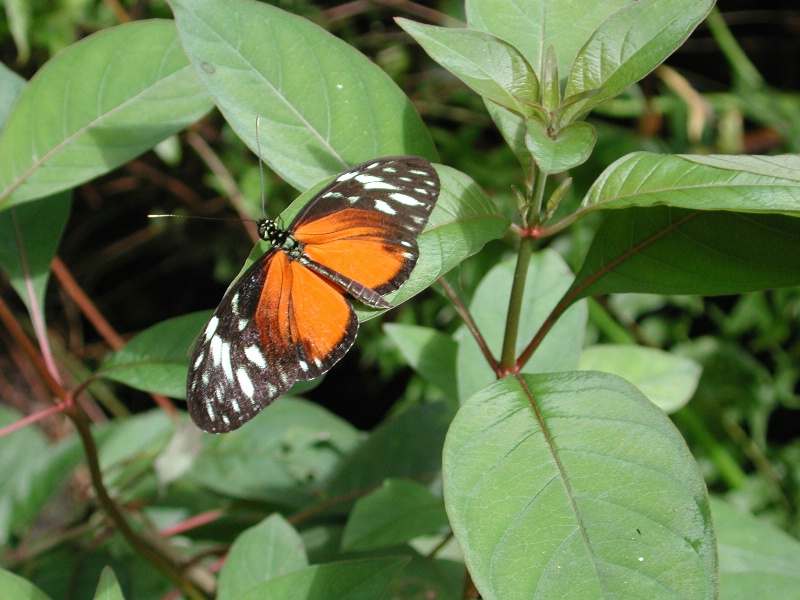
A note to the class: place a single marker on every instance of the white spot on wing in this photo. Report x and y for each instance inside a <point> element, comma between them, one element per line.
<point>216,349</point>
<point>255,356</point>
<point>384,207</point>
<point>245,384</point>
<point>211,327</point>
<point>226,361</point>
<point>405,199</point>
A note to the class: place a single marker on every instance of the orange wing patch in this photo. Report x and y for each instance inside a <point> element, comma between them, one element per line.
<point>304,317</point>
<point>359,244</point>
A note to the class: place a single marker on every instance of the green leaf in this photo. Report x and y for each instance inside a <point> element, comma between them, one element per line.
<point>14,586</point>
<point>716,182</point>
<point>108,588</point>
<point>352,580</point>
<point>570,147</point>
<point>533,25</point>
<point>430,353</point>
<point>157,359</point>
<point>18,13</point>
<point>667,380</point>
<point>323,106</point>
<point>268,550</point>
<point>661,250</point>
<point>407,445</point>
<point>11,86</point>
<point>31,233</point>
<point>491,67</point>
<point>757,560</point>
<point>285,455</point>
<point>548,278</point>
<point>87,110</point>
<point>630,44</point>
<point>590,479</point>
<point>394,514</point>
<point>31,471</point>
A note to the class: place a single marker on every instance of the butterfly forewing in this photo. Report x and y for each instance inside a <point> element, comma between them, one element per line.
<point>287,318</point>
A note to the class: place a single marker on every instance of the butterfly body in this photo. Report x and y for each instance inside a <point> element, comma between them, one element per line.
<point>288,318</point>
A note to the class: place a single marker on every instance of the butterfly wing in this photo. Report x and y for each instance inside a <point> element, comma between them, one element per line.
<point>280,323</point>
<point>364,225</point>
<point>287,318</point>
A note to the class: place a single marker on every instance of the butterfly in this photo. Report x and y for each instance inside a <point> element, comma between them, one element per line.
<point>287,318</point>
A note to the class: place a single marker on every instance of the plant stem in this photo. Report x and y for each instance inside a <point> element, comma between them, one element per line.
<point>508,355</point>
<point>142,546</point>
<point>744,70</point>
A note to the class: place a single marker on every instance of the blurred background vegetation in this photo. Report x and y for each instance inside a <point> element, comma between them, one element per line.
<point>732,88</point>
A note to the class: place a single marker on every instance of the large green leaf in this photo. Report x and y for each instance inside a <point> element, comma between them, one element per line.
<point>547,280</point>
<point>630,44</point>
<point>285,455</point>
<point>88,110</point>
<point>352,580</point>
<point>573,485</point>
<point>323,106</point>
<point>663,250</point>
<point>490,66</point>
<point>716,182</point>
<point>757,560</point>
<point>268,550</point>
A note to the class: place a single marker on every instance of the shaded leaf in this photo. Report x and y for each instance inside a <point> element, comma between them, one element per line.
<point>284,455</point>
<point>429,352</point>
<point>394,514</point>
<point>351,580</point>
<point>757,560</point>
<point>268,550</point>
<point>87,111</point>
<point>31,233</point>
<point>663,250</point>
<point>667,380</point>
<point>590,478</point>
<point>407,445</point>
<point>11,86</point>
<point>157,359</point>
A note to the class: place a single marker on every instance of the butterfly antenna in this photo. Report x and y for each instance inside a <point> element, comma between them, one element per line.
<point>261,172</point>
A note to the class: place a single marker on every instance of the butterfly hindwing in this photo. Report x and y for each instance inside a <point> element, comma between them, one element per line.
<point>267,333</point>
<point>287,318</point>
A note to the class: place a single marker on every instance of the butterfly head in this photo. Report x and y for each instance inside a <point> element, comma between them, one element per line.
<point>269,231</point>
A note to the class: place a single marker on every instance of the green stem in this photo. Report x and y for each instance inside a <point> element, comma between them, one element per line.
<point>728,467</point>
<point>508,356</point>
<point>744,70</point>
<point>143,547</point>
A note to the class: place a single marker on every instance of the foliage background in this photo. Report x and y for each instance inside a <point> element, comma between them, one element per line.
<point>742,422</point>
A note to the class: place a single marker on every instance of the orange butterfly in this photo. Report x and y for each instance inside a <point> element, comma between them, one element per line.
<point>287,318</point>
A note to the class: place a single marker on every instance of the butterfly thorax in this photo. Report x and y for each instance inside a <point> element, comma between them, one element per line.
<point>280,238</point>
